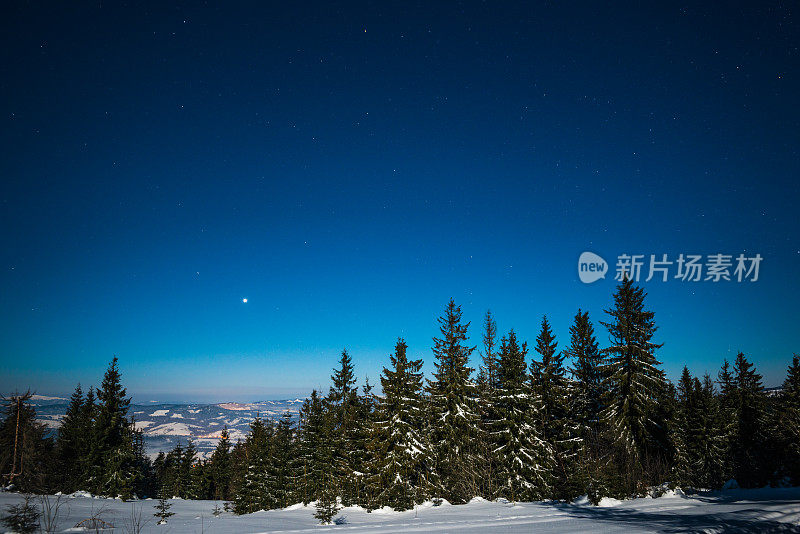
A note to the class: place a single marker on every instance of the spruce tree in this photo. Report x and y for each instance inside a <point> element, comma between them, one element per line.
<point>87,463</point>
<point>186,486</point>
<point>279,475</point>
<point>633,381</point>
<point>587,375</point>
<point>749,463</point>
<point>347,450</point>
<point>114,474</point>
<point>400,470</point>
<point>363,449</point>
<point>487,377</point>
<point>323,462</point>
<point>523,459</point>
<point>587,402</point>
<point>789,421</point>
<point>686,429</point>
<point>162,511</point>
<point>327,506</point>
<point>201,485</point>
<point>728,407</point>
<point>552,390</point>
<point>454,421</point>
<point>22,518</point>
<point>313,449</point>
<point>487,385</point>
<point>708,466</point>
<point>25,448</point>
<point>220,465</point>
<point>71,443</point>
<point>170,480</point>
<point>253,494</point>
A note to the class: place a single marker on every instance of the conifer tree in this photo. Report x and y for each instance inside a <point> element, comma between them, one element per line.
<point>238,470</point>
<point>586,403</point>
<point>400,471</point>
<point>363,449</point>
<point>171,482</point>
<point>71,443</point>
<point>25,449</point>
<point>87,462</point>
<point>709,464</point>
<point>186,485</point>
<point>686,428</point>
<point>253,495</point>
<point>347,451</point>
<point>142,465</point>
<point>323,463</point>
<point>750,424</point>
<point>313,449</point>
<point>789,421</point>
<point>454,421</point>
<point>552,389</point>
<point>487,385</point>
<point>220,466</point>
<point>487,378</point>
<point>727,403</point>
<point>22,518</point>
<point>327,506</point>
<point>280,464</point>
<point>587,375</point>
<point>523,459</point>
<point>114,473</point>
<point>162,511</point>
<point>632,378</point>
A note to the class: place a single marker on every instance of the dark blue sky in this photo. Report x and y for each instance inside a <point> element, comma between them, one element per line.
<point>347,169</point>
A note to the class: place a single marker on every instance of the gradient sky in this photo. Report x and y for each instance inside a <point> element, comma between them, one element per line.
<point>348,169</point>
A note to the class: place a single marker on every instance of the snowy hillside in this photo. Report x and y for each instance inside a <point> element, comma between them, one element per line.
<point>165,425</point>
<point>764,510</point>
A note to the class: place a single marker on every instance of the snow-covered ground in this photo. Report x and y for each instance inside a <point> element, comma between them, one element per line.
<point>762,510</point>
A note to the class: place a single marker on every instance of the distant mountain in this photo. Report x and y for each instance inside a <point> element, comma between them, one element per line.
<point>165,425</point>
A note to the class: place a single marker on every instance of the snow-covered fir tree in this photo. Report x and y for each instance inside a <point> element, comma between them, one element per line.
<point>788,421</point>
<point>348,452</point>
<point>523,459</point>
<point>454,424</point>
<point>279,470</point>
<point>162,511</point>
<point>551,389</point>
<point>400,473</point>
<point>220,467</point>
<point>327,505</point>
<point>587,390</point>
<point>750,425</point>
<point>187,486</point>
<point>487,374</point>
<point>254,493</point>
<point>363,449</point>
<point>710,461</point>
<point>698,434</point>
<point>632,377</point>
<point>114,456</point>
<point>586,403</point>
<point>72,443</point>
<point>24,445</point>
<point>314,455</point>
<point>487,385</point>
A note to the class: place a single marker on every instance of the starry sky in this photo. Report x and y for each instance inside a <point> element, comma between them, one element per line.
<point>349,168</point>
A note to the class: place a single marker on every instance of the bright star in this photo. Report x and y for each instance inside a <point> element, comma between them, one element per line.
<point>244,301</point>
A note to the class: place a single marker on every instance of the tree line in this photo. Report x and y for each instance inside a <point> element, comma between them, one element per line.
<point>528,425</point>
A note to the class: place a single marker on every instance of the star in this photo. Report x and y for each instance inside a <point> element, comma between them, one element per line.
<point>244,301</point>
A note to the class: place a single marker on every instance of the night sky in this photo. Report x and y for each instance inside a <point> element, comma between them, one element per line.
<point>348,169</point>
